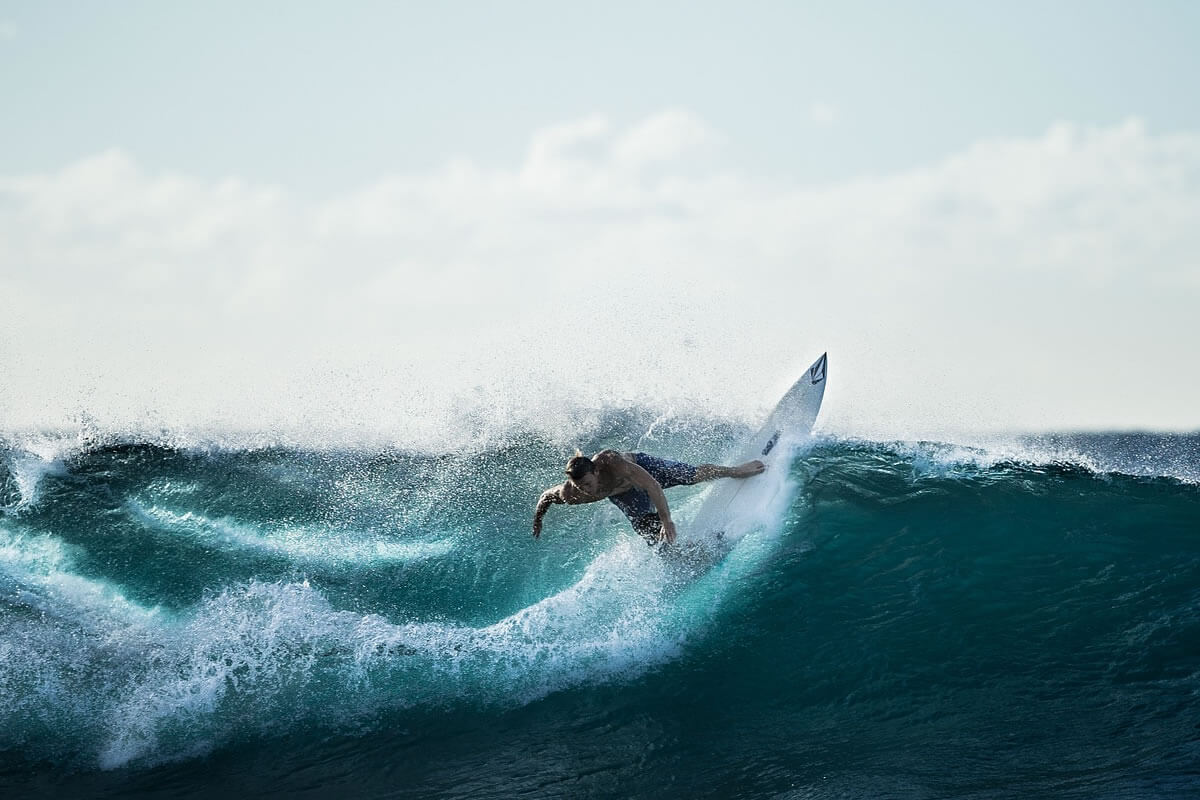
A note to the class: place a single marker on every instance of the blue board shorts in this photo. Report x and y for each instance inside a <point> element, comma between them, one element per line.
<point>636,503</point>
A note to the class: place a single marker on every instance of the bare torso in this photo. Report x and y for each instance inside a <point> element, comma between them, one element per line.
<point>608,466</point>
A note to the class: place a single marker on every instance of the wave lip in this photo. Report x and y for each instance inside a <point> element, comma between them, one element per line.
<point>1128,454</point>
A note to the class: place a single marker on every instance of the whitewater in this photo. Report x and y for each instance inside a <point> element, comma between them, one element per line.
<point>974,618</point>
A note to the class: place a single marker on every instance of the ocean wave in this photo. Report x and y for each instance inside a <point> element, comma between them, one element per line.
<point>896,584</point>
<point>1128,454</point>
<point>160,687</point>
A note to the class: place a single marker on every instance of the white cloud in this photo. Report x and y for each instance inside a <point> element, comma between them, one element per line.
<point>556,151</point>
<point>1010,285</point>
<point>667,136</point>
<point>822,113</point>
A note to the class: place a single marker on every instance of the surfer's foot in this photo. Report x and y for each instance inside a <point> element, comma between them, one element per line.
<point>707,472</point>
<point>748,469</point>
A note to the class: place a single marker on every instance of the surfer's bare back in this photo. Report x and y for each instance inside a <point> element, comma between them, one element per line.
<point>634,482</point>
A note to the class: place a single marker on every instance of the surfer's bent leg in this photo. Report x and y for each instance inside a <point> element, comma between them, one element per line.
<point>668,473</point>
<point>677,473</point>
<point>636,505</point>
<point>649,527</point>
<point>708,472</point>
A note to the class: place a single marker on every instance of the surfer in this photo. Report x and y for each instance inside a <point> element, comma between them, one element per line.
<point>634,483</point>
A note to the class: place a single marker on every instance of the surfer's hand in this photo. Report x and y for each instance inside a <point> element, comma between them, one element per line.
<point>537,529</point>
<point>668,530</point>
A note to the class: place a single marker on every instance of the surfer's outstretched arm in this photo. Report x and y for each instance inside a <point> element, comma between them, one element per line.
<point>549,497</point>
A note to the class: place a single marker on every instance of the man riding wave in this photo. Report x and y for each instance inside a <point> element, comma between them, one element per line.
<point>634,483</point>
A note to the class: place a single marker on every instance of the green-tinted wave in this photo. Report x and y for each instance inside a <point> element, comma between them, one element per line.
<point>923,619</point>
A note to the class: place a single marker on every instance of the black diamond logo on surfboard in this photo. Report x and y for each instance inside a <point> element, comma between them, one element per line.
<point>817,373</point>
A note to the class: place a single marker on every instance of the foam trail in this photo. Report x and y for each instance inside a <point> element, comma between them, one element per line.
<point>745,545</point>
<point>264,644</point>
<point>41,571</point>
<point>154,686</point>
<point>304,544</point>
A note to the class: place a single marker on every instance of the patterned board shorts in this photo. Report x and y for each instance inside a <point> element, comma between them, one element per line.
<point>636,503</point>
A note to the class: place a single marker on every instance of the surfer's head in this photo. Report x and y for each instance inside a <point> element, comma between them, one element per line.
<point>579,465</point>
<point>582,471</point>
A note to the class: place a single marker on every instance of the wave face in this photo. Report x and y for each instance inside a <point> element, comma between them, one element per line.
<point>919,620</point>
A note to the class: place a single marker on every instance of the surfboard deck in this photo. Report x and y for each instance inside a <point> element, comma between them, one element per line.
<point>732,505</point>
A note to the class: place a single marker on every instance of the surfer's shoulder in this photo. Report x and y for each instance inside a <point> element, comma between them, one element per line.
<point>570,495</point>
<point>607,457</point>
<point>610,463</point>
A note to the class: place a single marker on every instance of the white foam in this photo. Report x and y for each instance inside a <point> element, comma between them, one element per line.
<point>264,644</point>
<point>946,459</point>
<point>68,640</point>
<point>41,567</point>
<point>424,421</point>
<point>307,544</point>
<point>267,642</point>
<point>263,654</point>
<point>252,642</point>
<point>28,469</point>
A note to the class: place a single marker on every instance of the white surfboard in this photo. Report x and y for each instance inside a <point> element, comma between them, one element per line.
<point>734,505</point>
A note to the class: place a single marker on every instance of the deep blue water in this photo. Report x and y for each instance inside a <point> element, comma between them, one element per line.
<point>924,619</point>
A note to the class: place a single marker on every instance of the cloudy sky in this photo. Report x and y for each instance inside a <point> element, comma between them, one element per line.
<point>314,215</point>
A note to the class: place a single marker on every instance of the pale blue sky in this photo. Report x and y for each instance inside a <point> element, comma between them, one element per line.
<point>264,215</point>
<point>323,96</point>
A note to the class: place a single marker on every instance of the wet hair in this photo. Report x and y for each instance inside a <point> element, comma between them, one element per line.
<point>579,465</point>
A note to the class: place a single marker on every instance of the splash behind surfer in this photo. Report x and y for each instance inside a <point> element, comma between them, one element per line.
<point>634,482</point>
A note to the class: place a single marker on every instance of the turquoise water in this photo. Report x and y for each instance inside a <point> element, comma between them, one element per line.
<point>922,619</point>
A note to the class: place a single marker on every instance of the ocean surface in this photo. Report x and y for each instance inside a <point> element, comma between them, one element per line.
<point>978,619</point>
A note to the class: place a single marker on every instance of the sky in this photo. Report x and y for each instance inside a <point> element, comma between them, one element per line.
<point>398,217</point>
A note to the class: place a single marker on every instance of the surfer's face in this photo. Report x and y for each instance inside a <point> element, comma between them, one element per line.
<point>589,482</point>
